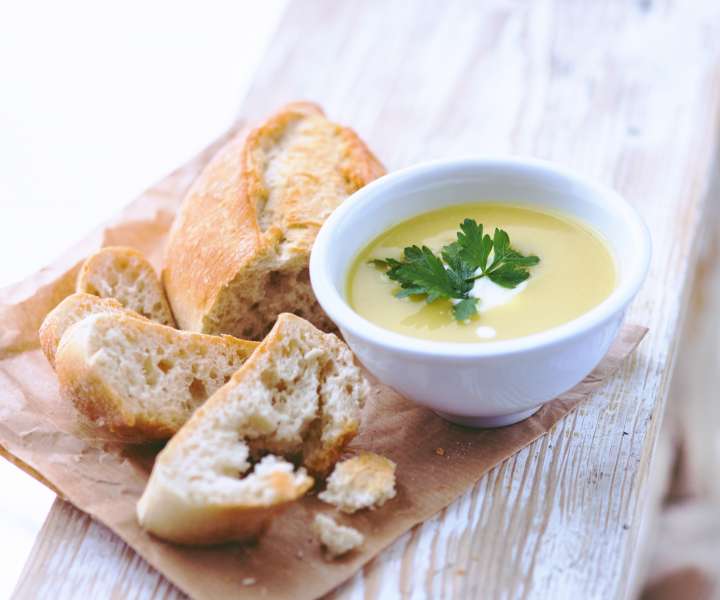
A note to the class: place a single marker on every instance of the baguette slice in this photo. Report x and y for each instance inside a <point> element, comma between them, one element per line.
<point>195,497</point>
<point>298,395</point>
<point>237,255</point>
<point>125,274</point>
<point>139,379</point>
<point>71,310</point>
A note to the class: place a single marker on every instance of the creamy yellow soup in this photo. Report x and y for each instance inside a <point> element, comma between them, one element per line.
<point>576,272</point>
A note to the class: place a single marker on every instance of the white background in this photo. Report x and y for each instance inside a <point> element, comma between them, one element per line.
<point>97,101</point>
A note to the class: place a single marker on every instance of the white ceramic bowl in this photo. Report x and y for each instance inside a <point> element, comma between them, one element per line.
<point>494,383</point>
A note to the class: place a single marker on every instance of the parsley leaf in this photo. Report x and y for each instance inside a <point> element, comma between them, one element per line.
<point>458,270</point>
<point>474,246</point>
<point>451,276</point>
<point>509,267</point>
<point>465,309</point>
<point>423,273</point>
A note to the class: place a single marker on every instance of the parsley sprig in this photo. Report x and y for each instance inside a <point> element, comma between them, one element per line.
<point>451,275</point>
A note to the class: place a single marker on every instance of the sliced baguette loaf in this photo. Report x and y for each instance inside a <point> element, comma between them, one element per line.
<point>298,395</point>
<point>125,274</point>
<point>237,255</point>
<point>71,310</point>
<point>139,379</point>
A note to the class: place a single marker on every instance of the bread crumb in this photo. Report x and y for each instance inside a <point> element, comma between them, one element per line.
<point>440,451</point>
<point>364,481</point>
<point>249,581</point>
<point>337,539</point>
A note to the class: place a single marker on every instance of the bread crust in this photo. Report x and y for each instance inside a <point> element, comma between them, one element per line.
<point>170,515</point>
<point>71,310</point>
<point>243,235</point>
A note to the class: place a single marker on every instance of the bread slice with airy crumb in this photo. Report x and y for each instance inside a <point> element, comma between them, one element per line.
<point>197,495</point>
<point>71,310</point>
<point>299,395</point>
<point>364,481</point>
<point>140,379</point>
<point>336,539</point>
<point>125,274</point>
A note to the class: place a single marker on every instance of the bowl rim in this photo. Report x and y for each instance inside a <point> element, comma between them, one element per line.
<point>338,309</point>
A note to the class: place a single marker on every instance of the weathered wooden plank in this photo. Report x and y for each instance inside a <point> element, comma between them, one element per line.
<point>75,556</point>
<point>626,92</point>
<point>683,541</point>
<point>693,408</point>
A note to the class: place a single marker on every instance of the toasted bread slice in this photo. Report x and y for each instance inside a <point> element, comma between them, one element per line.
<point>336,539</point>
<point>139,379</point>
<point>237,255</point>
<point>125,274</point>
<point>71,310</point>
<point>363,481</point>
<point>298,395</point>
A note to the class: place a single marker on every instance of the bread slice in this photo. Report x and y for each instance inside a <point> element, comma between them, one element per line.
<point>298,395</point>
<point>237,255</point>
<point>337,539</point>
<point>71,310</point>
<point>196,494</point>
<point>139,379</point>
<point>125,274</point>
<point>364,481</point>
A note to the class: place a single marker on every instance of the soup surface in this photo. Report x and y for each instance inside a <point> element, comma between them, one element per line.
<point>575,273</point>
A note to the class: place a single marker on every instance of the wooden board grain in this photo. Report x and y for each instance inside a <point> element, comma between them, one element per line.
<point>625,92</point>
<point>76,557</point>
<point>686,529</point>
<point>694,411</point>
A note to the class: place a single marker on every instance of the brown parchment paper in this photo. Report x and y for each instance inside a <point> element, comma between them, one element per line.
<point>39,433</point>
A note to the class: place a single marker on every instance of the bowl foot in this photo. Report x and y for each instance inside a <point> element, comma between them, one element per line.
<point>488,422</point>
